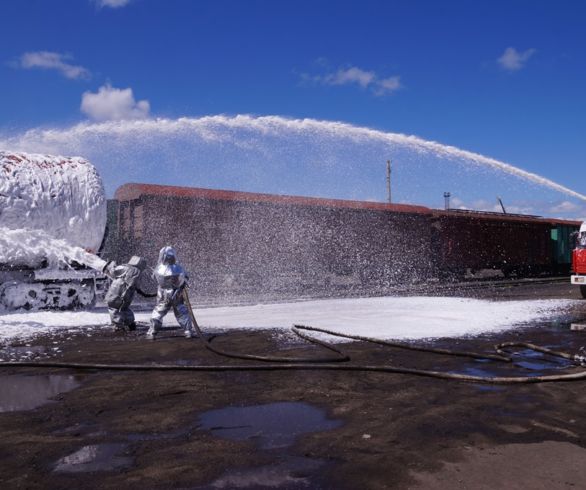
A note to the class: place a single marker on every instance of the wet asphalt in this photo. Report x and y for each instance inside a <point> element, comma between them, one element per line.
<point>295,429</point>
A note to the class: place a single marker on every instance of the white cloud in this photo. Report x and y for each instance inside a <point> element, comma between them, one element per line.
<point>48,60</point>
<point>387,85</point>
<point>349,76</point>
<point>456,202</point>
<point>357,76</point>
<point>565,207</point>
<point>111,103</point>
<point>112,3</point>
<point>513,60</point>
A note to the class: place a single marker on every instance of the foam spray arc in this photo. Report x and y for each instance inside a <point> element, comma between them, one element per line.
<point>239,130</point>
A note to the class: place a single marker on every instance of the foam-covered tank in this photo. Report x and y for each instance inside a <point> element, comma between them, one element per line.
<point>61,196</point>
<point>52,210</point>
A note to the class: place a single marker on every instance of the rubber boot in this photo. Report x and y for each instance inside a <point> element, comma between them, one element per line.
<point>153,329</point>
<point>119,327</point>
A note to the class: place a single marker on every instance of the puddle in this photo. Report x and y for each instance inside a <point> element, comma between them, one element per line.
<point>271,426</point>
<point>526,362</point>
<point>536,361</point>
<point>293,474</point>
<point>19,392</point>
<point>98,457</point>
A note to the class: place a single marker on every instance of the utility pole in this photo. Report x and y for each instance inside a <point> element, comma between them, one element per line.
<point>447,200</point>
<point>389,181</point>
<point>502,205</point>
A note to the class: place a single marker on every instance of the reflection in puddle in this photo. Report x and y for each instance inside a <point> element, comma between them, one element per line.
<point>274,425</point>
<point>99,457</point>
<point>290,475</point>
<point>526,363</point>
<point>18,392</point>
<point>536,361</point>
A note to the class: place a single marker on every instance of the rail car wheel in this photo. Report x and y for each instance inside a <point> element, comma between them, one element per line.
<point>583,291</point>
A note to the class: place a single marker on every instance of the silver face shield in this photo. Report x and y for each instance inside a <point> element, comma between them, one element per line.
<point>169,276</point>
<point>167,255</point>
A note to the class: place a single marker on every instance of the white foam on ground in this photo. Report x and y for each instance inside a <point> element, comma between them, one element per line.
<point>26,326</point>
<point>384,318</point>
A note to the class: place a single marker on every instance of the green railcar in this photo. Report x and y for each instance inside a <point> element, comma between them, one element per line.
<point>561,246</point>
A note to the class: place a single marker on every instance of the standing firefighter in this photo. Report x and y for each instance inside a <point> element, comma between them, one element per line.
<point>171,279</point>
<point>121,292</point>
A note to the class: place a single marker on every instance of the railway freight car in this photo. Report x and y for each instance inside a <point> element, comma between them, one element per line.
<point>516,245</point>
<point>239,243</point>
<point>235,243</point>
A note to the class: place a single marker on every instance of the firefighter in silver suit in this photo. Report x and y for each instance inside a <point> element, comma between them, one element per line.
<point>171,280</point>
<point>121,291</point>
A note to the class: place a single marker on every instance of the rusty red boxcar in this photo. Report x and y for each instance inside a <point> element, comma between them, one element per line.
<point>517,245</point>
<point>240,243</point>
<point>237,242</point>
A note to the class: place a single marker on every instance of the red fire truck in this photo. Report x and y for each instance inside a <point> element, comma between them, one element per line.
<point>579,261</point>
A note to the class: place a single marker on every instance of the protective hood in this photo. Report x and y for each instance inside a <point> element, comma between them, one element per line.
<point>167,256</point>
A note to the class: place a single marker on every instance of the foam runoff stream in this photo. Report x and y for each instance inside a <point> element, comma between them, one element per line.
<point>244,131</point>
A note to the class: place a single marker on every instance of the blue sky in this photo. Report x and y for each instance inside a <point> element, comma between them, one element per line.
<point>501,78</point>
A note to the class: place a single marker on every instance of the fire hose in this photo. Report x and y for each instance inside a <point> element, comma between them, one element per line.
<point>271,363</point>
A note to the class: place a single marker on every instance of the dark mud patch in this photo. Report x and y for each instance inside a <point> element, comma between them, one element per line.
<point>26,352</point>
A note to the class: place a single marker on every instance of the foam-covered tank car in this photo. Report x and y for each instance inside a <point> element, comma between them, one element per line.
<point>44,201</point>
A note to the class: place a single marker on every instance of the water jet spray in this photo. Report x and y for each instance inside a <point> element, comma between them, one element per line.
<point>224,140</point>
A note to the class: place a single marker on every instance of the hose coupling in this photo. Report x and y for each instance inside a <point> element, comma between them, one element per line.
<point>580,359</point>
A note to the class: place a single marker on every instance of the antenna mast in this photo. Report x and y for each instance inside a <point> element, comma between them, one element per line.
<point>447,200</point>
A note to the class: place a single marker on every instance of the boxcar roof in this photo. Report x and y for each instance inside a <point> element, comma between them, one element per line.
<point>135,191</point>
<point>475,215</point>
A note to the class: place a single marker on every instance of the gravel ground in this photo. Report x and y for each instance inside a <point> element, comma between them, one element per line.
<point>295,429</point>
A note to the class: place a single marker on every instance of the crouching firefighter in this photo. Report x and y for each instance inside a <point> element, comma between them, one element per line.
<point>171,280</point>
<point>121,292</point>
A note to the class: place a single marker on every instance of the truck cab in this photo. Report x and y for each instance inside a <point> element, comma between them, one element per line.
<point>579,260</point>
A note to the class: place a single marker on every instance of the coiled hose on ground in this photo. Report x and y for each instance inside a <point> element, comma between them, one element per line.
<point>327,364</point>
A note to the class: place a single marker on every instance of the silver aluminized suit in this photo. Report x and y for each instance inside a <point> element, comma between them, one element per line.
<point>121,291</point>
<point>171,280</point>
